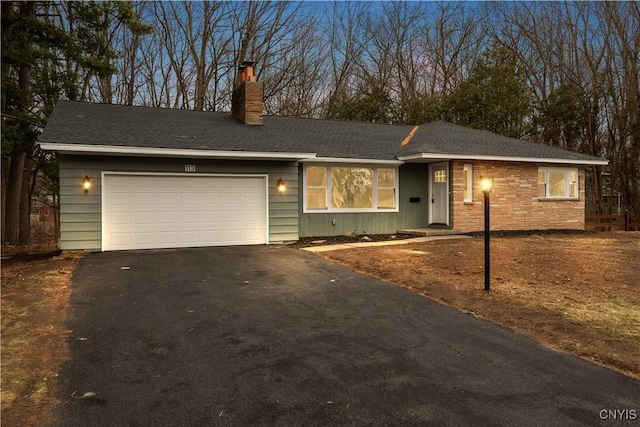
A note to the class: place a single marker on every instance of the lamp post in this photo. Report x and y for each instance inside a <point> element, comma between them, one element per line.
<point>487,186</point>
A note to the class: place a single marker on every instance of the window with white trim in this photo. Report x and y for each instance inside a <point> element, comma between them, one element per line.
<point>345,188</point>
<point>559,183</point>
<point>316,187</point>
<point>386,188</point>
<point>467,176</point>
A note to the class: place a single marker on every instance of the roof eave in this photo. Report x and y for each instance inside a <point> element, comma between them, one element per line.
<point>354,161</point>
<point>112,150</point>
<point>427,157</point>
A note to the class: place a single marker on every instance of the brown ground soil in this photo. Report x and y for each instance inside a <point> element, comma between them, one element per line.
<point>35,299</point>
<point>578,293</point>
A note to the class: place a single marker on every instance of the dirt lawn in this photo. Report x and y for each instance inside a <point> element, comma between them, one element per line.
<point>35,299</point>
<point>578,293</point>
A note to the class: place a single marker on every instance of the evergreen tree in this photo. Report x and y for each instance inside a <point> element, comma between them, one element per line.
<point>494,97</point>
<point>49,50</point>
<point>366,105</point>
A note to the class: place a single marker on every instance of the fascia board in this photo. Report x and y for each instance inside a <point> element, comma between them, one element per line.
<point>111,150</point>
<point>352,161</point>
<point>439,156</point>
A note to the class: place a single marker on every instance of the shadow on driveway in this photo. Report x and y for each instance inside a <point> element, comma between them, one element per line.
<point>272,335</point>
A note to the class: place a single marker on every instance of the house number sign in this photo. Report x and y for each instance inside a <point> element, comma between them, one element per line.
<point>189,168</point>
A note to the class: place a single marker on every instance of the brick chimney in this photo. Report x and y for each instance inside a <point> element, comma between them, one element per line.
<point>246,100</point>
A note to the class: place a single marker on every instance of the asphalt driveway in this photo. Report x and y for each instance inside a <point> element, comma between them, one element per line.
<point>278,336</point>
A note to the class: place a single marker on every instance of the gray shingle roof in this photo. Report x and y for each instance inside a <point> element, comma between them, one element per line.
<point>446,138</point>
<point>144,127</point>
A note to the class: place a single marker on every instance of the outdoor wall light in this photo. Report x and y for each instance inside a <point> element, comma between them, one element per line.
<point>487,185</point>
<point>86,183</point>
<point>280,186</point>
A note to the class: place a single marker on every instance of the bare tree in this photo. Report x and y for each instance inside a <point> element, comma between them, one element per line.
<point>344,34</point>
<point>620,22</point>
<point>295,79</point>
<point>453,41</point>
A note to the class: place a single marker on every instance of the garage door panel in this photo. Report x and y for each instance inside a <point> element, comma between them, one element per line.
<point>166,198</point>
<point>121,218</point>
<point>211,235</point>
<point>210,216</point>
<point>143,198</point>
<point>117,198</point>
<point>143,211</point>
<point>120,239</point>
<point>144,181</point>
<point>231,236</point>
<point>252,214</point>
<point>120,182</point>
<point>166,218</point>
<point>189,217</point>
<point>209,198</point>
<point>142,239</point>
<point>166,182</point>
<point>189,198</point>
<point>143,218</point>
<point>190,237</point>
<point>167,237</point>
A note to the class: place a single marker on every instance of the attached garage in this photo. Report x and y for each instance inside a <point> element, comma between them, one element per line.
<point>149,211</point>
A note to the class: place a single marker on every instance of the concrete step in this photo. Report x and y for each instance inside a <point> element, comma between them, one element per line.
<point>428,231</point>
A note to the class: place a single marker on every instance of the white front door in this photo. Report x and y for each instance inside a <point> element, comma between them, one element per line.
<point>439,189</point>
<point>145,211</point>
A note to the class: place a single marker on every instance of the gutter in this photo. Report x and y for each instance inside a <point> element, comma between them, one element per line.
<point>438,156</point>
<point>112,150</point>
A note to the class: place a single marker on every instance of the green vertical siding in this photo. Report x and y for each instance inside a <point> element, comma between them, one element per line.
<point>412,182</point>
<point>320,224</point>
<point>81,213</point>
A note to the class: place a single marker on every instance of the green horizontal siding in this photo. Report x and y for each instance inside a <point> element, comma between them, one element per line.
<point>280,221</point>
<point>81,226</point>
<point>79,245</point>
<point>285,213</point>
<point>282,229</point>
<point>80,209</point>
<point>284,198</point>
<point>86,236</point>
<point>81,213</point>
<point>81,217</point>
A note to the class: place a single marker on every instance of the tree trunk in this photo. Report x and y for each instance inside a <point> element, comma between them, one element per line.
<point>14,187</point>
<point>24,230</point>
<point>17,168</point>
<point>597,189</point>
<point>5,177</point>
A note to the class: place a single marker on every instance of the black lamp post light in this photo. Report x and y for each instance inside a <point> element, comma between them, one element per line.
<point>487,185</point>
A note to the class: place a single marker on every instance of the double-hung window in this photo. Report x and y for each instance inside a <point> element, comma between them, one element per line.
<point>345,188</point>
<point>559,183</point>
<point>316,187</point>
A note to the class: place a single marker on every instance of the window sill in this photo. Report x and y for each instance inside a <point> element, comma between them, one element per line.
<point>469,203</point>
<point>558,199</point>
<point>343,211</point>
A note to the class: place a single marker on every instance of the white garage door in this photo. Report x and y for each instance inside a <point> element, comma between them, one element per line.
<point>172,211</point>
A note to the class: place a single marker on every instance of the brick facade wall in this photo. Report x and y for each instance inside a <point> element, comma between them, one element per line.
<point>515,204</point>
